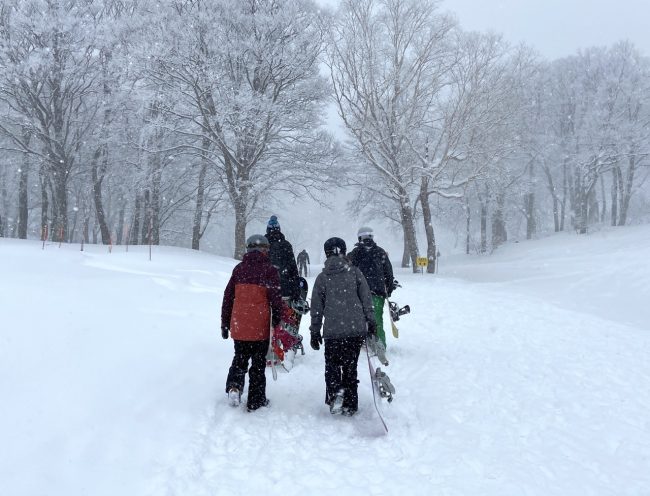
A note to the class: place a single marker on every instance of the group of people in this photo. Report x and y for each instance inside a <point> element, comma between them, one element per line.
<point>347,304</point>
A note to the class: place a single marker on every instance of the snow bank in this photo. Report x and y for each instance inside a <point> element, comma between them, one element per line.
<point>113,371</point>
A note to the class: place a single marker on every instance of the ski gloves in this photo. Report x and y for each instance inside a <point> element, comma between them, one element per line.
<point>316,339</point>
<point>224,332</point>
<point>393,287</point>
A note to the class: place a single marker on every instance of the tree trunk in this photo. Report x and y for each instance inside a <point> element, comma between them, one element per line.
<point>603,196</point>
<point>146,219</point>
<point>627,191</point>
<point>121,216</point>
<point>60,220</point>
<point>74,226</point>
<point>23,197</point>
<point>594,207</point>
<point>97,173</point>
<point>579,203</point>
<point>564,195</point>
<point>200,195</point>
<point>468,219</point>
<point>406,260</point>
<point>614,193</point>
<point>484,215</point>
<point>155,199</point>
<point>499,233</point>
<point>85,228</point>
<point>531,225</point>
<point>408,226</point>
<point>240,230</point>
<point>556,203</point>
<point>4,200</point>
<point>45,205</point>
<point>135,226</point>
<point>428,226</point>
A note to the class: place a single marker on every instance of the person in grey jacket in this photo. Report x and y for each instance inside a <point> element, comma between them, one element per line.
<point>341,297</point>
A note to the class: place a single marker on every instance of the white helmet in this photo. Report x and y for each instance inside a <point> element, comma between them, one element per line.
<point>365,232</point>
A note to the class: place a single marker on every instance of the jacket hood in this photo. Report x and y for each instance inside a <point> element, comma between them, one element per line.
<point>336,264</point>
<point>255,257</point>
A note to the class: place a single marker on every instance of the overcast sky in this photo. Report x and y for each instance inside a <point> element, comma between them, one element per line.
<point>556,27</point>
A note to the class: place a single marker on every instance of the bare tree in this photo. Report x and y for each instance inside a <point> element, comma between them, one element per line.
<point>385,60</point>
<point>248,91</point>
<point>48,82</point>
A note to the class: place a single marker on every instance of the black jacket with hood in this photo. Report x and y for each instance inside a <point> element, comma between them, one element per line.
<point>374,264</point>
<point>282,258</point>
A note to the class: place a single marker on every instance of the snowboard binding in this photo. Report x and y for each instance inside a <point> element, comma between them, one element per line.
<point>396,312</point>
<point>300,306</point>
<point>386,388</point>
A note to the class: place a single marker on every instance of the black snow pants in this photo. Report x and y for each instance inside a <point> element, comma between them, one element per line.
<point>255,351</point>
<point>341,357</point>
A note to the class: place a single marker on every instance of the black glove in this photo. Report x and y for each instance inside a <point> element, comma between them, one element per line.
<point>316,341</point>
<point>224,332</point>
<point>393,287</point>
<point>372,328</point>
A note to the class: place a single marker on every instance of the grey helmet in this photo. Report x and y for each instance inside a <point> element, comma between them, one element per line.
<point>257,242</point>
<point>365,232</point>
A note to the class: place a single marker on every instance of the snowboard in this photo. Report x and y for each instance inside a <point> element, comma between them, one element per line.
<point>287,341</point>
<point>381,387</point>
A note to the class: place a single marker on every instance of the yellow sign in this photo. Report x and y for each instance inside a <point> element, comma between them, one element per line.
<point>422,261</point>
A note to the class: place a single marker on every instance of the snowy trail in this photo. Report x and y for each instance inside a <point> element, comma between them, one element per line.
<point>485,405</point>
<point>115,370</point>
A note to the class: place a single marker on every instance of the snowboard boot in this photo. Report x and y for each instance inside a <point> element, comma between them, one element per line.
<point>234,396</point>
<point>348,412</point>
<point>252,408</point>
<point>336,406</point>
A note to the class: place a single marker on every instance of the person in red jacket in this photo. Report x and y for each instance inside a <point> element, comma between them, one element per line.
<point>252,302</point>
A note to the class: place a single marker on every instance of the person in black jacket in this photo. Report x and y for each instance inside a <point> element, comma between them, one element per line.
<point>282,257</point>
<point>373,263</point>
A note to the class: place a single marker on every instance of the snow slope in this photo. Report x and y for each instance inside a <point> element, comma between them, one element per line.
<point>113,371</point>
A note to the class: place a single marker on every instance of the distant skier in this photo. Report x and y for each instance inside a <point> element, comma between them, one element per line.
<point>341,297</point>
<point>251,301</point>
<point>303,262</point>
<point>373,263</point>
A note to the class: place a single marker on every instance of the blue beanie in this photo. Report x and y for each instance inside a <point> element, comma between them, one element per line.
<point>273,224</point>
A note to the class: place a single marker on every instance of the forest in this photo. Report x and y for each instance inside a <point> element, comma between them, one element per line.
<point>148,122</point>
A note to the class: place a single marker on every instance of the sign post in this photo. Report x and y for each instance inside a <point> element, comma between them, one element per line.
<point>422,262</point>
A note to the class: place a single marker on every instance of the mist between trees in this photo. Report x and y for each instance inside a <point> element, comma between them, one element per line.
<point>142,121</point>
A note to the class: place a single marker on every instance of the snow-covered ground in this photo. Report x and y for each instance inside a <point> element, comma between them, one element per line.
<point>523,373</point>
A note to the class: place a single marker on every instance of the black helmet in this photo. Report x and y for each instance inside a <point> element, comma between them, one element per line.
<point>257,242</point>
<point>334,246</point>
